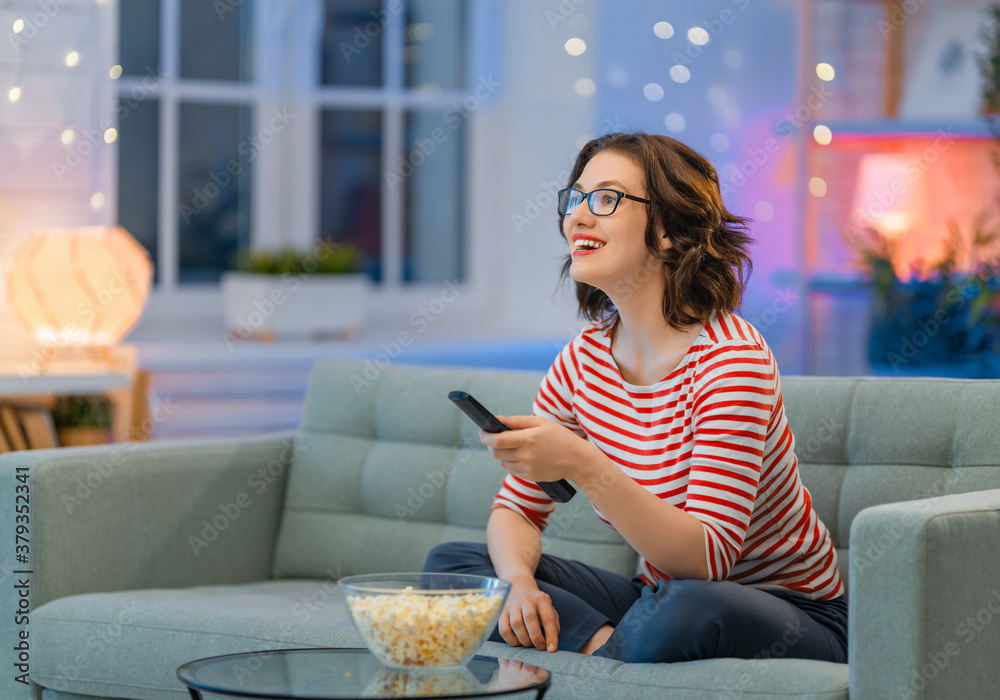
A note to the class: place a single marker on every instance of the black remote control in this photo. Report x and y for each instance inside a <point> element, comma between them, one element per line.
<point>559,491</point>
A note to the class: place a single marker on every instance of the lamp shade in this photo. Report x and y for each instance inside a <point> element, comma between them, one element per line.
<point>890,194</point>
<point>80,286</point>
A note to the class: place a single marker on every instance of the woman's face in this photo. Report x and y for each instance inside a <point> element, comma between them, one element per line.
<point>621,236</point>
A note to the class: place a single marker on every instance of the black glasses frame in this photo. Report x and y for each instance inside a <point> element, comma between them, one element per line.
<point>564,194</point>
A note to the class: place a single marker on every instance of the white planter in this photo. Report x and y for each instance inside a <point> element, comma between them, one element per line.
<point>265,306</point>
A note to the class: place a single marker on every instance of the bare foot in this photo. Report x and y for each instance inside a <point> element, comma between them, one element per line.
<point>597,641</point>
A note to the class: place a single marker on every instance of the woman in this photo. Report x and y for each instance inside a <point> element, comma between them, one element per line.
<point>666,411</point>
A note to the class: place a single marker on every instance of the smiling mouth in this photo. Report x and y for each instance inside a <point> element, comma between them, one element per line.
<point>587,244</point>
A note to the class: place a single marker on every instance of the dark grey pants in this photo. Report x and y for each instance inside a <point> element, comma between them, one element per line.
<point>679,620</point>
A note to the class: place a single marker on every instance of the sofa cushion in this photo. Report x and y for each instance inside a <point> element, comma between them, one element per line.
<point>924,415</point>
<point>773,678</point>
<point>978,427</point>
<point>380,479</point>
<point>129,644</point>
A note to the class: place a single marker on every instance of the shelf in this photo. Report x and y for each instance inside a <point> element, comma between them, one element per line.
<point>911,128</point>
<point>837,283</point>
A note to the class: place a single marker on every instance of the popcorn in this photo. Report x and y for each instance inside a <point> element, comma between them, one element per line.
<point>418,684</point>
<point>413,629</point>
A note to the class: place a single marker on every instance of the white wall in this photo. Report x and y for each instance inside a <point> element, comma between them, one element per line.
<point>44,183</point>
<point>527,146</point>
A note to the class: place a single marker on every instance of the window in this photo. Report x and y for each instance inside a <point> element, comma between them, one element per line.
<point>272,123</point>
<point>391,167</point>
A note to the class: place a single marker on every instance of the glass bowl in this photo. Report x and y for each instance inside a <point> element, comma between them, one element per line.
<point>425,620</point>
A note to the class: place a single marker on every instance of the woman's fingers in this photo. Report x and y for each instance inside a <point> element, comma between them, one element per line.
<point>503,455</point>
<point>536,637</point>
<point>530,621</point>
<point>531,624</point>
<point>520,422</point>
<point>507,632</point>
<point>518,630</point>
<point>511,624</point>
<point>505,458</point>
<point>503,625</point>
<point>550,621</point>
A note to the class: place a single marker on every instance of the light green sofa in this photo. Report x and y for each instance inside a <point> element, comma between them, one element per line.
<point>145,556</point>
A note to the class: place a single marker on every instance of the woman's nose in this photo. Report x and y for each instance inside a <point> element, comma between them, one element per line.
<point>582,214</point>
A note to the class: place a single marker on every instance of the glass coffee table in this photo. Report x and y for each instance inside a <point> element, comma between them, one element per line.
<point>349,674</point>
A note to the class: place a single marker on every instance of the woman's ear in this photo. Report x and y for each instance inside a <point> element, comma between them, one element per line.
<point>661,235</point>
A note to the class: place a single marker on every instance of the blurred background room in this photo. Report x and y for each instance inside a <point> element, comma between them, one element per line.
<point>200,198</point>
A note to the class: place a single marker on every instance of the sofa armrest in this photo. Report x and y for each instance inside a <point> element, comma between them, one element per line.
<point>140,515</point>
<point>925,598</point>
<point>168,513</point>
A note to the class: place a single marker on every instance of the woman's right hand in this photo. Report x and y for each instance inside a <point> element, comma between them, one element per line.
<point>528,618</point>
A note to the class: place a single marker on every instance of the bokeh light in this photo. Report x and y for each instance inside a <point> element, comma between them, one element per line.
<point>763,211</point>
<point>698,36</point>
<point>575,46</point>
<point>653,92</point>
<point>719,143</point>
<point>585,87</point>
<point>663,30</point>
<point>680,74</point>
<point>674,122</point>
<point>817,187</point>
<point>822,134</point>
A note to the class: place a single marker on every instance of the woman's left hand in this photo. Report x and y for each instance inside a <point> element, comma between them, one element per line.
<point>537,448</point>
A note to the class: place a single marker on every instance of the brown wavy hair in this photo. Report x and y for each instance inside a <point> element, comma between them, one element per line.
<point>707,267</point>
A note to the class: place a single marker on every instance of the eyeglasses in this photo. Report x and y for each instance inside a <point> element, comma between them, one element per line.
<point>601,202</point>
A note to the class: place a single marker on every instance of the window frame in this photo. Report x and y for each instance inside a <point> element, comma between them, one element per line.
<point>285,178</point>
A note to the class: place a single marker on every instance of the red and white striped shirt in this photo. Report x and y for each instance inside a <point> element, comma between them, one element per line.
<point>710,438</point>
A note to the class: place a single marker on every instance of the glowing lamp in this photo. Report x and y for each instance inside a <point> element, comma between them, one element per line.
<point>80,286</point>
<point>889,195</point>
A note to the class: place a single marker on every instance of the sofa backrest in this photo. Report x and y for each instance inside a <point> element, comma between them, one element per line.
<point>386,467</point>
<point>863,441</point>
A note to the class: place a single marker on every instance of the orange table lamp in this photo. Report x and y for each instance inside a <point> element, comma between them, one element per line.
<point>80,286</point>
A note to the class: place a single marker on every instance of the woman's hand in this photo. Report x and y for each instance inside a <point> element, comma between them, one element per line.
<point>528,618</point>
<point>514,674</point>
<point>537,448</point>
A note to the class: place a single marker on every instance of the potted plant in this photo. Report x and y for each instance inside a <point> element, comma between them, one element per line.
<point>82,420</point>
<point>292,293</point>
<point>939,319</point>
